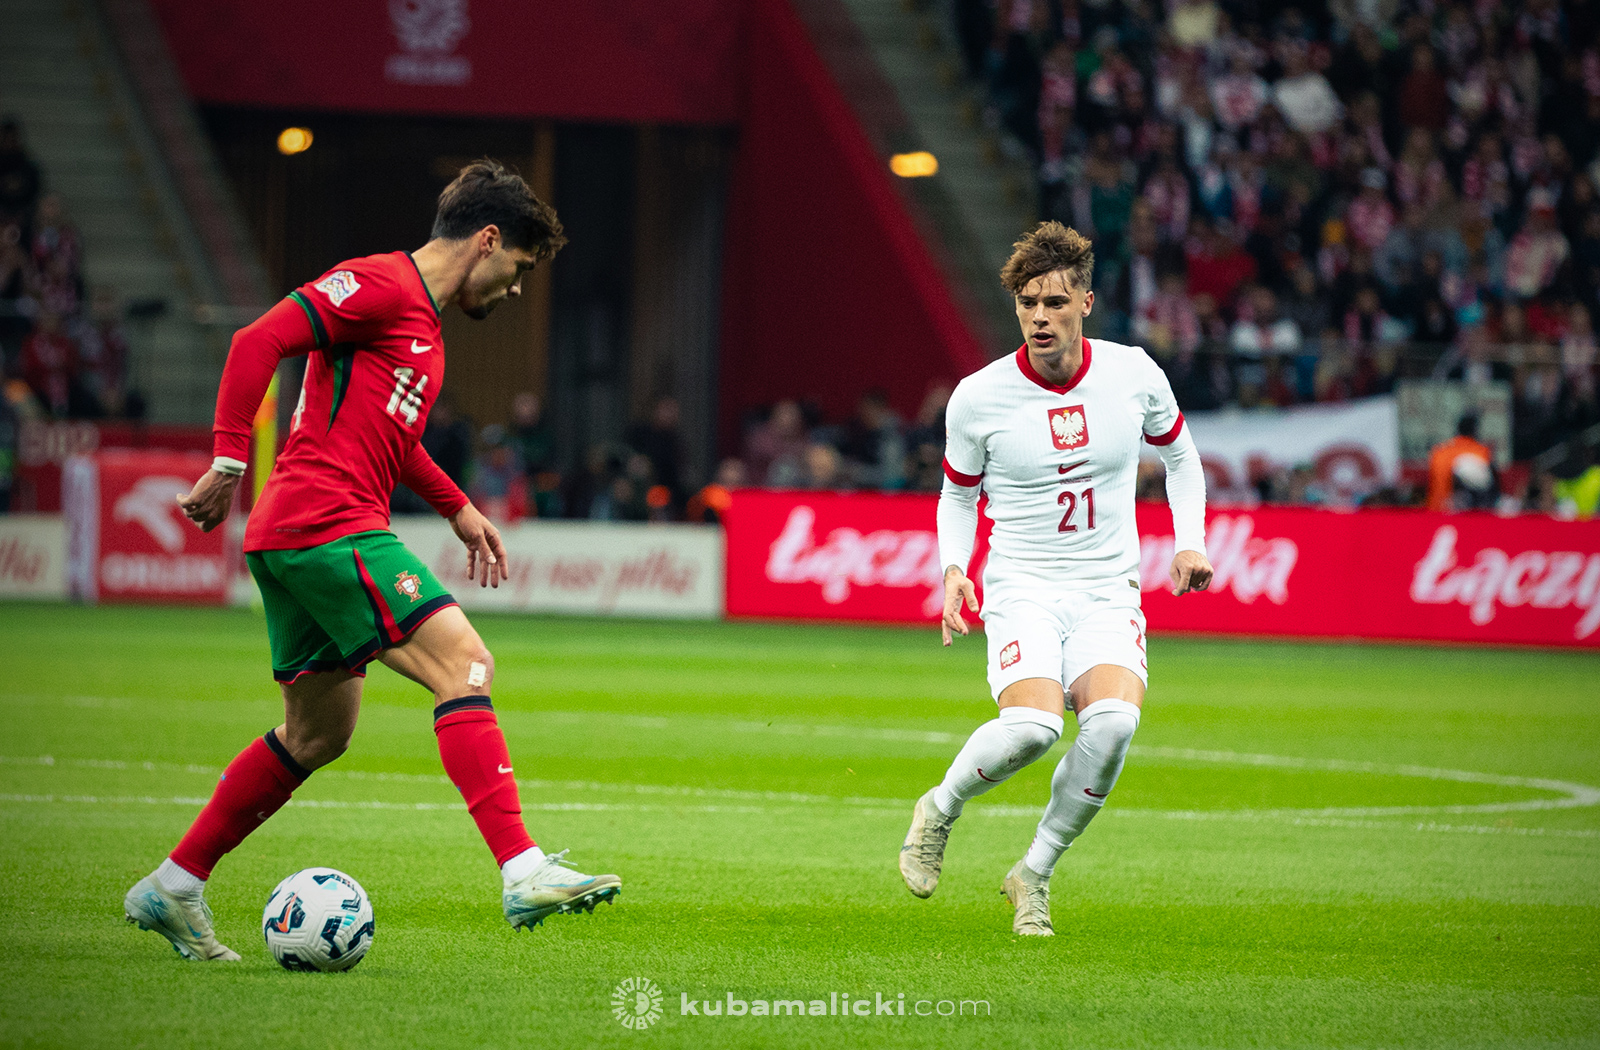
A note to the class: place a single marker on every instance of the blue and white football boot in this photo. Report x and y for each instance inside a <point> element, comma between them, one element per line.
<point>554,887</point>
<point>185,921</point>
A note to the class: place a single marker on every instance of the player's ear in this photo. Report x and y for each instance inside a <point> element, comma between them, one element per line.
<point>488,240</point>
<point>1088,303</point>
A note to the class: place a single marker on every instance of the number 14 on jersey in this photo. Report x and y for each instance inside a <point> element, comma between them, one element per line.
<point>406,403</point>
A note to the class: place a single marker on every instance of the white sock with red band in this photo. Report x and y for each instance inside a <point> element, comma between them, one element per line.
<point>1083,779</point>
<point>994,751</point>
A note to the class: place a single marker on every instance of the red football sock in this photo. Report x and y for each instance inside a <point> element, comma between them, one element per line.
<point>255,785</point>
<point>475,757</point>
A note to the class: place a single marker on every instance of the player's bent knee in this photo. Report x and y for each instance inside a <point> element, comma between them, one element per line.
<point>1107,726</point>
<point>1030,732</point>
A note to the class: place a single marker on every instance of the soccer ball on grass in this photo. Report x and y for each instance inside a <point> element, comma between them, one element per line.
<point>318,919</point>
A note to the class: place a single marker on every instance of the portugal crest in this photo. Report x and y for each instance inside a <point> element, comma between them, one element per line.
<point>1069,427</point>
<point>408,584</point>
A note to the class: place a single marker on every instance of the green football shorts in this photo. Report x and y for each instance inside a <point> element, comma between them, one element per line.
<point>336,605</point>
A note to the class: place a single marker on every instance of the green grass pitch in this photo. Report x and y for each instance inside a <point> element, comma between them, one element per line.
<point>1312,846</point>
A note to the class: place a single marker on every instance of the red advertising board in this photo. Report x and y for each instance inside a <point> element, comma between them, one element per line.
<point>1381,574</point>
<point>127,539</point>
<point>44,445</point>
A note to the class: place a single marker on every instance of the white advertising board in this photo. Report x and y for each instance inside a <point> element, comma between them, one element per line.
<point>586,567</point>
<point>33,555</point>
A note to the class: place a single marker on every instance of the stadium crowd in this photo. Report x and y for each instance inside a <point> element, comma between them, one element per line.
<point>62,345</point>
<point>1306,202</point>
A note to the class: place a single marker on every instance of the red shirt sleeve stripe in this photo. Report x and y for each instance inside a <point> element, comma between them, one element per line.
<point>1170,436</point>
<point>964,480</point>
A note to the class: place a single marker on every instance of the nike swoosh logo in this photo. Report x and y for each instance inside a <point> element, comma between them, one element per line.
<point>1091,794</point>
<point>420,348</point>
<point>505,769</point>
<point>980,773</point>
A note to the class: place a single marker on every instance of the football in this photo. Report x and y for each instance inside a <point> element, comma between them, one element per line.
<point>318,919</point>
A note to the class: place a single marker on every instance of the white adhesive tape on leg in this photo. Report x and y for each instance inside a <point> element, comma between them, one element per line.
<point>477,674</point>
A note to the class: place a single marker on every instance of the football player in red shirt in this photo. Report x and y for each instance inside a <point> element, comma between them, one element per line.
<point>339,589</point>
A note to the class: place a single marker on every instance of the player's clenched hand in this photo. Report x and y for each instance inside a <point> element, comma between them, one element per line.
<point>208,503</point>
<point>957,590</point>
<point>1190,572</point>
<point>484,549</point>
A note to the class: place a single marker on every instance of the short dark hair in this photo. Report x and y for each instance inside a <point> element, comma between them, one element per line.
<point>1046,248</point>
<point>487,193</point>
<point>1467,427</point>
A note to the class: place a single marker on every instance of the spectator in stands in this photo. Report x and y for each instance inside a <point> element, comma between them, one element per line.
<point>1370,216</point>
<point>1262,329</point>
<point>1424,100</point>
<point>1304,96</point>
<point>55,244</point>
<point>1576,490</point>
<point>774,448</point>
<point>1461,474</point>
<point>1578,349</point>
<point>498,487</point>
<point>658,440</point>
<point>822,468</point>
<point>1168,323</point>
<point>50,364</point>
<point>1216,265</point>
<point>874,449</point>
<point>712,502</point>
<point>19,179</point>
<point>16,307</point>
<point>1538,251</point>
<point>925,441</point>
<point>103,356</point>
<point>530,434</point>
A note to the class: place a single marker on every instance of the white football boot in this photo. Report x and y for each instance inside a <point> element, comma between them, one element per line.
<point>922,857</point>
<point>185,921</point>
<point>1029,893</point>
<point>555,887</point>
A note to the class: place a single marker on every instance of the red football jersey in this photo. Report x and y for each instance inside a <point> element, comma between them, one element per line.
<point>376,365</point>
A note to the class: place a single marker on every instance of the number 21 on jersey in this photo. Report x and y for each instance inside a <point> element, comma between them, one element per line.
<point>406,403</point>
<point>1070,501</point>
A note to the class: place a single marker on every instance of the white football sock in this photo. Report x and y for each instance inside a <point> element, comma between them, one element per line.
<point>179,881</point>
<point>1083,779</point>
<point>993,752</point>
<point>517,867</point>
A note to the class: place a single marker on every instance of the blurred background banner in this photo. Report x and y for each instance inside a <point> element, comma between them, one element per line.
<point>676,64</point>
<point>1350,449</point>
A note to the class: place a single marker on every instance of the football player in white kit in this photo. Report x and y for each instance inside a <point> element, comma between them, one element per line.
<point>1052,434</point>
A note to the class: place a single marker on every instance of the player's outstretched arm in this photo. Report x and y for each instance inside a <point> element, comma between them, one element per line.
<point>958,591</point>
<point>484,549</point>
<point>211,499</point>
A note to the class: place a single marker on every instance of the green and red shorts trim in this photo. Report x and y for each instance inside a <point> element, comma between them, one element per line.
<point>337,605</point>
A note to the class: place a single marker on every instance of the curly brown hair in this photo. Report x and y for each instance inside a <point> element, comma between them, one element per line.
<point>1046,248</point>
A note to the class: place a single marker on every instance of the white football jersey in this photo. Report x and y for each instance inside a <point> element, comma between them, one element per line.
<point>1059,464</point>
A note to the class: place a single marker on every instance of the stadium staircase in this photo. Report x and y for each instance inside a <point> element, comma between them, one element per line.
<point>896,63</point>
<point>106,118</point>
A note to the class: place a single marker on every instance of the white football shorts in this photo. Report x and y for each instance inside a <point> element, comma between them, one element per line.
<point>1033,634</point>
